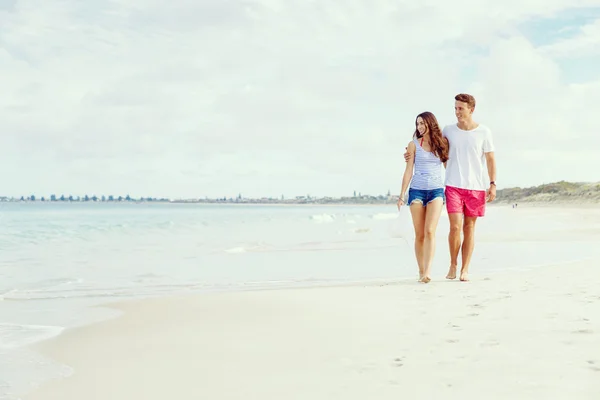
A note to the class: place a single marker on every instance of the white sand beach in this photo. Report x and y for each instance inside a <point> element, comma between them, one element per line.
<point>531,334</point>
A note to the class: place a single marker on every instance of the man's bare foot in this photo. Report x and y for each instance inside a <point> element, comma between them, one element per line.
<point>451,272</point>
<point>425,279</point>
<point>464,276</point>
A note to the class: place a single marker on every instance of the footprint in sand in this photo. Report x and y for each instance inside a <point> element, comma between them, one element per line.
<point>593,366</point>
<point>490,343</point>
<point>398,362</point>
<point>452,341</point>
<point>583,331</point>
<point>361,368</point>
<point>365,368</point>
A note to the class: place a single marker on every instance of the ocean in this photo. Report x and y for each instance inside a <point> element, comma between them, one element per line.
<point>60,261</point>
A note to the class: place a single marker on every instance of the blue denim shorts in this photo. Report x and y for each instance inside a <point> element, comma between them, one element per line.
<point>425,196</point>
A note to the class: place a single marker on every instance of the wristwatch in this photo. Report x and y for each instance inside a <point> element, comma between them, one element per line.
<point>493,183</point>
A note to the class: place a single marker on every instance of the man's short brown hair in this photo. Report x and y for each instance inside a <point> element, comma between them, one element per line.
<point>466,98</point>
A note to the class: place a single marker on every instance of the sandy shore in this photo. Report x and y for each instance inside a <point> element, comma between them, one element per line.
<point>526,335</point>
<point>549,204</point>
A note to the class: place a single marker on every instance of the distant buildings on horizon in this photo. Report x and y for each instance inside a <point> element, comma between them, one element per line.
<point>86,198</point>
<point>548,192</point>
<point>239,199</point>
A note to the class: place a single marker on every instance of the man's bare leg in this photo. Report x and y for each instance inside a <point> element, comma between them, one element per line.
<point>467,246</point>
<point>456,220</point>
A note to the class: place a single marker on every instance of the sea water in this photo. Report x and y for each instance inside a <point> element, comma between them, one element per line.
<point>59,261</point>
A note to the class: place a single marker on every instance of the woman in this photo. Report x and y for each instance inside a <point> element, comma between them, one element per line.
<point>428,155</point>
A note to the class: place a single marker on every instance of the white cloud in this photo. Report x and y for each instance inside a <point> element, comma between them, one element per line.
<point>195,98</point>
<point>586,42</point>
<point>544,126</point>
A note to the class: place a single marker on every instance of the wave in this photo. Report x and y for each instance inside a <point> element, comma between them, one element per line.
<point>50,285</point>
<point>250,247</point>
<point>323,218</point>
<point>82,291</point>
<point>151,290</point>
<point>17,335</point>
<point>236,250</point>
<point>384,216</point>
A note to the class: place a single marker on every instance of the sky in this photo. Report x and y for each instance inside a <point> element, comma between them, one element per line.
<point>215,98</point>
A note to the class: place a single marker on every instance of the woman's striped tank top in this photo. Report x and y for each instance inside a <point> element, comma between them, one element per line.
<point>427,171</point>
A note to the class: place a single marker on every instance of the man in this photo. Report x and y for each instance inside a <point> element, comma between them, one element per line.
<point>467,187</point>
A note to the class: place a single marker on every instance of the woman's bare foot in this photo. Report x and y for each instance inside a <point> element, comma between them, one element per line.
<point>425,279</point>
<point>451,272</point>
<point>464,276</point>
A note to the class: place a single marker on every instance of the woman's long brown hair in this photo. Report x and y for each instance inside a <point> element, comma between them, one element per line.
<point>439,144</point>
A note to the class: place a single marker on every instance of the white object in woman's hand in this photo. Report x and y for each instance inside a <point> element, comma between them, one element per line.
<point>400,203</point>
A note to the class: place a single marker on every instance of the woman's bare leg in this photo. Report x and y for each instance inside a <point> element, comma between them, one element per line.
<point>418,216</point>
<point>433,211</point>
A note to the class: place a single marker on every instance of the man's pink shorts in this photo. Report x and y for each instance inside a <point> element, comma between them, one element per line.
<point>471,203</point>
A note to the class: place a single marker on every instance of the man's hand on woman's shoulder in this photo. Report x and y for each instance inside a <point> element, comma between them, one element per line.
<point>408,154</point>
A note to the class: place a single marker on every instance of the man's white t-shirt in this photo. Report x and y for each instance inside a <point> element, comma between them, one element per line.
<point>466,167</point>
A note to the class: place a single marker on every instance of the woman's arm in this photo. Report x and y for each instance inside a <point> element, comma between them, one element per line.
<point>408,170</point>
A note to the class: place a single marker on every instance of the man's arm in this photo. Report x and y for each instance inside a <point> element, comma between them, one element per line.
<point>490,160</point>
<point>447,145</point>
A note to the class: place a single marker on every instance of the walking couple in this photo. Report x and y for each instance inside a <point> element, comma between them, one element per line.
<point>464,149</point>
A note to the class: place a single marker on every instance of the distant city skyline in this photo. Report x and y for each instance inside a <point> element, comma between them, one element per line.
<point>546,187</point>
<point>110,198</point>
<point>212,98</point>
<point>356,198</point>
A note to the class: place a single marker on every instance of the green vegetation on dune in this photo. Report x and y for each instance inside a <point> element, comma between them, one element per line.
<point>562,191</point>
